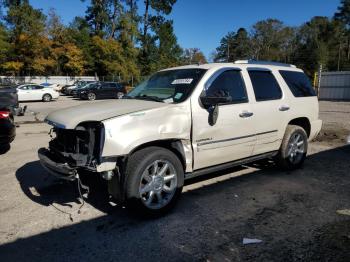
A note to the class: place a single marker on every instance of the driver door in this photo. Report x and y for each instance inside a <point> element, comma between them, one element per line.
<point>232,137</point>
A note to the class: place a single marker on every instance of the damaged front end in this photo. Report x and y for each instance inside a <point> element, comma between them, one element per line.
<point>71,150</point>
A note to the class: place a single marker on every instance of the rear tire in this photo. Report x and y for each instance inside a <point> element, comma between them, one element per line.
<point>293,149</point>
<point>154,181</point>
<point>120,95</point>
<point>47,98</point>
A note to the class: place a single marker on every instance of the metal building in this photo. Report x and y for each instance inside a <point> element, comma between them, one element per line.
<point>335,86</point>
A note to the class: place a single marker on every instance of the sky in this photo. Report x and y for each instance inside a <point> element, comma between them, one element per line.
<point>202,23</point>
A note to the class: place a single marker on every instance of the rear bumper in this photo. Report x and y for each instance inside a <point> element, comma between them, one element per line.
<point>58,169</point>
<point>315,129</point>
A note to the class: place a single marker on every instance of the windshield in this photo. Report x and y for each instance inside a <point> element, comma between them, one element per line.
<point>171,86</point>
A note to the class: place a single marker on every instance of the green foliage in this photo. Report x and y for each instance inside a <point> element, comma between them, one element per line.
<point>321,40</point>
<point>343,13</point>
<point>234,46</point>
<point>193,56</point>
<point>114,40</point>
<point>106,42</point>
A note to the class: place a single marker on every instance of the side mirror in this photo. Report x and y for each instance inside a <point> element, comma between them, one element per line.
<point>209,101</point>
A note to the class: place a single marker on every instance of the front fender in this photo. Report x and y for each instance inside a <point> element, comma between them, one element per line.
<point>127,132</point>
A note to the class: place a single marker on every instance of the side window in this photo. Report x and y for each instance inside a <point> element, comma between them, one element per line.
<point>298,83</point>
<point>106,86</point>
<point>37,87</point>
<point>229,84</point>
<point>265,85</point>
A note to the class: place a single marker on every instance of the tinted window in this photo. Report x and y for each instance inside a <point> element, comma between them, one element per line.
<point>106,85</point>
<point>265,85</point>
<point>229,83</point>
<point>37,87</point>
<point>298,83</point>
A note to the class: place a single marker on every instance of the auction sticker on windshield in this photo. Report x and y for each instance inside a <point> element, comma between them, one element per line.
<point>186,81</point>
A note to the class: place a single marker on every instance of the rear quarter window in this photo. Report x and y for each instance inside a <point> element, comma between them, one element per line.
<point>298,83</point>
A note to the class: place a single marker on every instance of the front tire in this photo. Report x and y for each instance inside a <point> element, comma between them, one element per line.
<point>47,98</point>
<point>154,180</point>
<point>91,96</point>
<point>293,150</point>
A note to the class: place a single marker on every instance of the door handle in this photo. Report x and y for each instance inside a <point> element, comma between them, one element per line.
<point>284,108</point>
<point>246,114</point>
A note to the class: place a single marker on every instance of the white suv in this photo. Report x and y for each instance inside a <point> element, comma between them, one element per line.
<point>184,122</point>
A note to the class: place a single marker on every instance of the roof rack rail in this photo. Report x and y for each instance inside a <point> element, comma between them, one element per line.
<point>257,62</point>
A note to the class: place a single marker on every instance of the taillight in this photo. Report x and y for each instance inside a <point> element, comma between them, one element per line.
<point>4,114</point>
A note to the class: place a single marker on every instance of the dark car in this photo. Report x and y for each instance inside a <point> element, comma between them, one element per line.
<point>8,105</point>
<point>76,91</point>
<point>79,84</point>
<point>102,90</point>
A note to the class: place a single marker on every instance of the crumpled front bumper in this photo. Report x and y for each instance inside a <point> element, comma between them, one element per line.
<point>51,164</point>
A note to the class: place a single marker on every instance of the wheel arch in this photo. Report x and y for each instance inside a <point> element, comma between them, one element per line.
<point>47,94</point>
<point>303,122</point>
<point>174,145</point>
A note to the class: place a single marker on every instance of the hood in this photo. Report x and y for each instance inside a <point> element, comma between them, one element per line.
<point>69,118</point>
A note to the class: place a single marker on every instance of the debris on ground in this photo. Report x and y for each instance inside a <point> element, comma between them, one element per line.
<point>345,212</point>
<point>247,241</point>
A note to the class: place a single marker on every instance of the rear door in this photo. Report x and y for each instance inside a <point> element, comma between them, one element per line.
<point>105,90</point>
<point>270,109</point>
<point>38,92</point>
<point>114,89</point>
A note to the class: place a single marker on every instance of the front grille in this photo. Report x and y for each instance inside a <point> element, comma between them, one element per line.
<point>80,146</point>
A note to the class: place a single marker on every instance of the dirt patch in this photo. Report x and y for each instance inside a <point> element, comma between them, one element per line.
<point>331,243</point>
<point>333,134</point>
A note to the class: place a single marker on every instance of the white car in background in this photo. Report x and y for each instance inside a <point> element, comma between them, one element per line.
<point>56,87</point>
<point>33,92</point>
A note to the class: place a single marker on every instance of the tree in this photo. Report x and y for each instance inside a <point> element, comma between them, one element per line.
<point>26,26</point>
<point>147,55</point>
<point>97,17</point>
<point>193,56</point>
<point>168,51</point>
<point>109,59</point>
<point>160,6</point>
<point>4,44</point>
<point>267,39</point>
<point>343,13</point>
<point>234,46</point>
<point>78,33</point>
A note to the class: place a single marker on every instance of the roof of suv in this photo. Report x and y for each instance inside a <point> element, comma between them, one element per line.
<point>242,64</point>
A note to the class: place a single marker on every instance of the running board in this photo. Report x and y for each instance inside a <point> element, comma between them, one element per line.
<point>208,170</point>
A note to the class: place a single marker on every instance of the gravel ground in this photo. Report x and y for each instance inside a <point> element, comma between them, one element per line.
<point>294,214</point>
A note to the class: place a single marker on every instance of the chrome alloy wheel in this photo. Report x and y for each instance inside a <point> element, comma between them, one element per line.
<point>158,184</point>
<point>296,148</point>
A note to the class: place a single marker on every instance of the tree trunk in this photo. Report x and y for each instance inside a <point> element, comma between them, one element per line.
<point>145,23</point>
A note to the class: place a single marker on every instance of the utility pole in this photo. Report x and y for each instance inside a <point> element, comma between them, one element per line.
<point>339,52</point>
<point>228,51</point>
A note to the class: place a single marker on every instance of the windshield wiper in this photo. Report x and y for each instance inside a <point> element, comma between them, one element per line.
<point>146,97</point>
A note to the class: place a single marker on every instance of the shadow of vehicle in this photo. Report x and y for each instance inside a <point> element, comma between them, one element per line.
<point>46,189</point>
<point>293,213</point>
